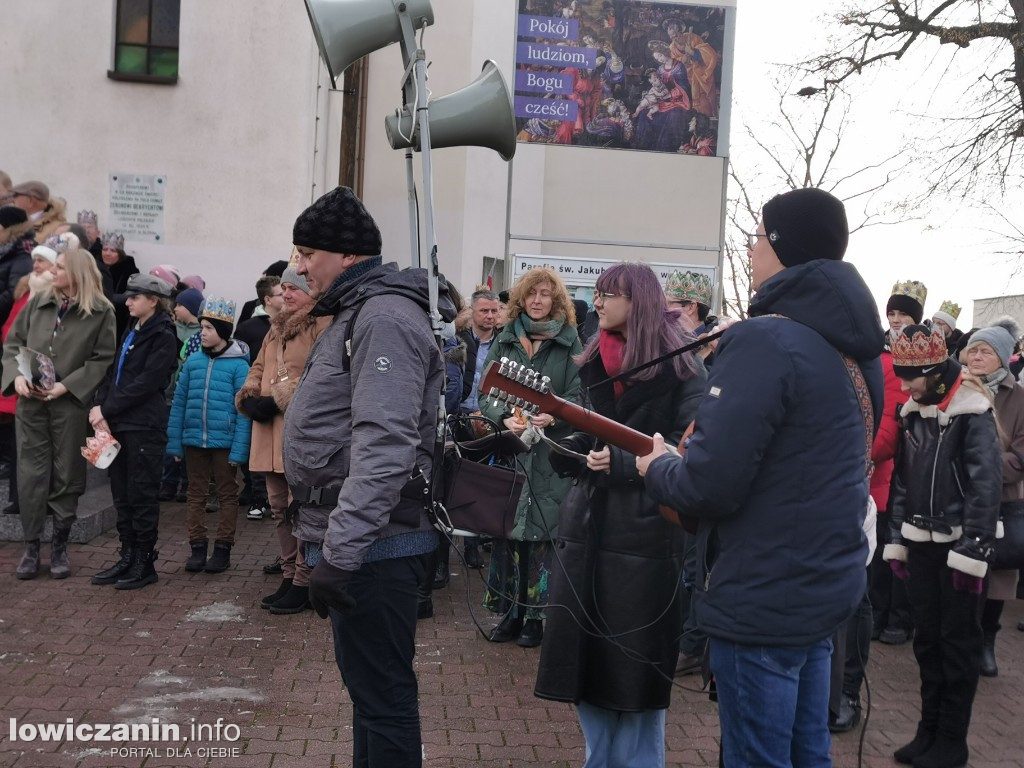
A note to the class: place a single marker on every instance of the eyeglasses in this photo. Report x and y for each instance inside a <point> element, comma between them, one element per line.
<point>752,239</point>
<point>602,295</point>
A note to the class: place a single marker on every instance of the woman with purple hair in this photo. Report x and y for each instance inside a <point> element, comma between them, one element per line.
<point>615,612</point>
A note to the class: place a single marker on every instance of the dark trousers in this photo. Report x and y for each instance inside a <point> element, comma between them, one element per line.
<point>889,603</point>
<point>175,475</point>
<point>374,646</point>
<point>135,486</point>
<point>693,642</point>
<point>10,454</point>
<point>202,462</point>
<point>947,640</point>
<point>990,616</point>
<point>850,647</point>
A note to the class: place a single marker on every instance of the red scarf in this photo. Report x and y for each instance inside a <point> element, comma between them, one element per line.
<point>613,350</point>
<point>949,395</point>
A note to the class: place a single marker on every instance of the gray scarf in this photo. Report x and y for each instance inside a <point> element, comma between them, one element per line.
<point>992,380</point>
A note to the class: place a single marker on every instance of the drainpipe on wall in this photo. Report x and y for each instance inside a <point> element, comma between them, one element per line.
<point>353,126</point>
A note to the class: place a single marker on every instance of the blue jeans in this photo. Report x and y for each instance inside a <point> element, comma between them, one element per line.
<point>617,739</point>
<point>374,645</point>
<point>773,704</point>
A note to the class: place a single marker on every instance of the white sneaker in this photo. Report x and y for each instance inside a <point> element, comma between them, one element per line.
<point>257,512</point>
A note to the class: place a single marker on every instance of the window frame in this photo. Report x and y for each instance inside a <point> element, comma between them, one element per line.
<point>143,77</point>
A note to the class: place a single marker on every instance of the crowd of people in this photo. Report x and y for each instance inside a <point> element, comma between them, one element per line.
<point>834,483</point>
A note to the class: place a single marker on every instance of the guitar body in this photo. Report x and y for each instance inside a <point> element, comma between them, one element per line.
<point>516,386</point>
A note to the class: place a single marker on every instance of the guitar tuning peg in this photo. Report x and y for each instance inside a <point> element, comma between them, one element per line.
<point>545,384</point>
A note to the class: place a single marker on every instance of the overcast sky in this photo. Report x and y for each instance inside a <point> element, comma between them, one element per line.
<point>950,249</point>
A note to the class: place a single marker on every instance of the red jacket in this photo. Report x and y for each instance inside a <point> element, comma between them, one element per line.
<point>7,404</point>
<point>884,447</point>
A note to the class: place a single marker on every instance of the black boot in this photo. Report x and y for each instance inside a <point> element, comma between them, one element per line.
<point>848,717</point>
<point>141,572</point>
<point>532,634</point>
<point>922,743</point>
<point>118,569</point>
<point>442,573</point>
<point>295,601</point>
<point>197,560</point>
<point>945,752</point>
<point>988,657</point>
<point>60,566</point>
<point>273,597</point>
<point>509,629</point>
<point>472,551</point>
<point>221,559</point>
<point>425,607</point>
<point>28,568</point>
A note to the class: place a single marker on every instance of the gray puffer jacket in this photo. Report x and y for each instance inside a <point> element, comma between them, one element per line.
<point>365,424</point>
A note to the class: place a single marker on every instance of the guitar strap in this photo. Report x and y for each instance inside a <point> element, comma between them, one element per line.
<point>657,361</point>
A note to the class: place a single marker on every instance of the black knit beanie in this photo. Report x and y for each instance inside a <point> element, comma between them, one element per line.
<point>338,223</point>
<point>806,224</point>
<point>223,328</point>
<point>906,305</point>
<point>12,216</point>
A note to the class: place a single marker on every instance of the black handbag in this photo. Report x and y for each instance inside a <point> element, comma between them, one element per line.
<point>480,496</point>
<point>1008,551</point>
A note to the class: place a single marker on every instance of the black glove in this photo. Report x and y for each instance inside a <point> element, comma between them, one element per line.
<point>328,588</point>
<point>569,466</point>
<point>260,408</point>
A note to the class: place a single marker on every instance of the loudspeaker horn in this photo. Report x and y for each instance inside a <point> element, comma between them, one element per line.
<point>478,115</point>
<point>347,30</point>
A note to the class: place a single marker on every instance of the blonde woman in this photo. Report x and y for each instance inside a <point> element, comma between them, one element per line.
<point>73,325</point>
<point>541,334</point>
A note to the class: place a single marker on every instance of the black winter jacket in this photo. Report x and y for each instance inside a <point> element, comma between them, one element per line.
<point>137,404</point>
<point>15,263</point>
<point>775,469</point>
<point>948,479</point>
<point>622,562</point>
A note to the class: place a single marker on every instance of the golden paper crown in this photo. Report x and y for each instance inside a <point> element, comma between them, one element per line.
<point>920,350</point>
<point>912,289</point>
<point>950,308</point>
<point>689,286</point>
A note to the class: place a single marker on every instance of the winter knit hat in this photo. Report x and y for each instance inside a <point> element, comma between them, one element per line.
<point>44,252</point>
<point>190,299</point>
<point>292,277</point>
<point>908,297</point>
<point>338,223</point>
<point>194,281</point>
<point>919,351</point>
<point>948,313</point>
<point>166,272</point>
<point>1000,337</point>
<point>12,216</point>
<point>806,224</point>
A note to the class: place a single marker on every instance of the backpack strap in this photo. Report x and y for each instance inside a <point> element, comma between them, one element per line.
<point>350,329</point>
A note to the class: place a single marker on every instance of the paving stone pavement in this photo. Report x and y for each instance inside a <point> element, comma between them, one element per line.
<point>197,647</point>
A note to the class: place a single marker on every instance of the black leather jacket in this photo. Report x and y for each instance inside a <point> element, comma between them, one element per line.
<point>948,479</point>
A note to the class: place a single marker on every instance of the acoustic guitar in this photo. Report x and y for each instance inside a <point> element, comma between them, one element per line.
<point>522,388</point>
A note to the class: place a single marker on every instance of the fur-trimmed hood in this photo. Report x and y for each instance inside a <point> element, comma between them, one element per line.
<point>52,217</point>
<point>286,326</point>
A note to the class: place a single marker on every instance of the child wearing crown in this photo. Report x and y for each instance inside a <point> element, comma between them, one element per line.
<point>210,433</point>
<point>947,487</point>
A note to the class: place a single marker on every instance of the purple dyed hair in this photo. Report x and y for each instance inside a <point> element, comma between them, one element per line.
<point>652,329</point>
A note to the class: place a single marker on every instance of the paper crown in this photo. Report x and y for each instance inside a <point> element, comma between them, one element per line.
<point>913,289</point>
<point>88,217</point>
<point>920,350</point>
<point>218,309</point>
<point>113,240</point>
<point>950,308</point>
<point>689,286</point>
<point>62,243</point>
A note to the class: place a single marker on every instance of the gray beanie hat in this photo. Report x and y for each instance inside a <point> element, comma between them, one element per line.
<point>294,278</point>
<point>997,337</point>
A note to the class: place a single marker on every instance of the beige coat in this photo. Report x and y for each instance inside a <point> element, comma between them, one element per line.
<point>289,341</point>
<point>52,218</point>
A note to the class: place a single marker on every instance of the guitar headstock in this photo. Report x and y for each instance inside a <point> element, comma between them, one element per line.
<point>517,386</point>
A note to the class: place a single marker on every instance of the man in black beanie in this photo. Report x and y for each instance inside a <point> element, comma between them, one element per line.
<point>358,443</point>
<point>776,475</point>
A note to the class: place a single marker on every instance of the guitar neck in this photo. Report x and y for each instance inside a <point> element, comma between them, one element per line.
<point>602,428</point>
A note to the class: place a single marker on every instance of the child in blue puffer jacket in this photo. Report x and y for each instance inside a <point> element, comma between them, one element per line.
<point>209,432</point>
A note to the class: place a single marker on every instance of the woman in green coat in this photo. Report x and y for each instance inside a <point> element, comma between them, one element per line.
<point>73,325</point>
<point>540,334</point>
